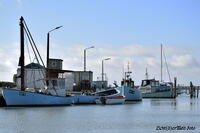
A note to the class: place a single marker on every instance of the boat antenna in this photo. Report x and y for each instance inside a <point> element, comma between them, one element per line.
<point>123,74</point>
<point>146,74</point>
<point>128,72</point>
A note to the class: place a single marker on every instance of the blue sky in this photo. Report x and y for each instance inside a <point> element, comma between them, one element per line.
<point>107,23</point>
<point>117,22</point>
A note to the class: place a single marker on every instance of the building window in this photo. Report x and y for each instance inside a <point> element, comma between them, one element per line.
<point>53,64</point>
<point>54,82</point>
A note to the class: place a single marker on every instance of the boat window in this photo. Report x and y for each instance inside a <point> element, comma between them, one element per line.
<point>157,83</point>
<point>145,82</point>
<point>154,83</point>
<point>106,93</point>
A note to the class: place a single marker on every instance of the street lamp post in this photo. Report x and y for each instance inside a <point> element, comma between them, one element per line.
<point>48,36</point>
<point>102,74</point>
<point>85,56</point>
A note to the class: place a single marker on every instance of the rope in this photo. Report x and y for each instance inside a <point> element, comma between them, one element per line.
<point>166,66</point>
<point>34,43</point>
<point>34,48</point>
<point>26,41</point>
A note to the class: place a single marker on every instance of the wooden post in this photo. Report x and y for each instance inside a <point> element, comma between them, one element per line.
<point>192,91</point>
<point>175,79</point>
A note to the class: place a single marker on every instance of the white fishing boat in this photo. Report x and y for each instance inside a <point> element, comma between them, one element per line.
<point>25,97</point>
<point>152,88</point>
<point>128,88</point>
<point>110,96</point>
<point>131,93</point>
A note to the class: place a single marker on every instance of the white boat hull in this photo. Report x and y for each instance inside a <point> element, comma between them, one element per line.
<point>165,94</point>
<point>110,100</point>
<point>25,98</point>
<point>115,101</point>
<point>84,99</point>
<point>131,94</point>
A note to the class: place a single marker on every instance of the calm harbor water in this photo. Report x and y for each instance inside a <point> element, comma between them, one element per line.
<point>132,117</point>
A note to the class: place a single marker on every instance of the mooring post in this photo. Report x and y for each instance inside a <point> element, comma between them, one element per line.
<point>175,79</point>
<point>191,89</point>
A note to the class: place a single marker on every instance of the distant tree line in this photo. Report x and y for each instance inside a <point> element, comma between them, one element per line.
<point>7,84</point>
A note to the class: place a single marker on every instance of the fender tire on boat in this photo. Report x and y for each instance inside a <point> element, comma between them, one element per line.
<point>103,100</point>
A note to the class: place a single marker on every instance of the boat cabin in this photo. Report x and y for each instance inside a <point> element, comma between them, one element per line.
<point>151,82</point>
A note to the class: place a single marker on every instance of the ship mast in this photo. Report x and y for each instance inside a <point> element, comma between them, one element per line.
<point>161,65</point>
<point>22,52</point>
<point>128,73</point>
<point>146,74</point>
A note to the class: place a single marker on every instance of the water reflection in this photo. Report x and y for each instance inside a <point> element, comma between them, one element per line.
<point>139,117</point>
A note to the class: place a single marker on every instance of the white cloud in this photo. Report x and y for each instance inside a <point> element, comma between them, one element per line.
<point>139,56</point>
<point>184,61</point>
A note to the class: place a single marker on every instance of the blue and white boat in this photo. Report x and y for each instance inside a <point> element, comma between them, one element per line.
<point>128,88</point>
<point>131,93</point>
<point>23,97</point>
<point>26,98</point>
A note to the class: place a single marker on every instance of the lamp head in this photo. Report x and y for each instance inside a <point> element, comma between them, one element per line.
<point>58,27</point>
<point>107,59</point>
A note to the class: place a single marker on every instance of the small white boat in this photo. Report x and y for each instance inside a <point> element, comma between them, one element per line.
<point>110,96</point>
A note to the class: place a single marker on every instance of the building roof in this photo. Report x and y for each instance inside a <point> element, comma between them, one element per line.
<point>34,66</point>
<point>55,59</point>
<point>59,71</point>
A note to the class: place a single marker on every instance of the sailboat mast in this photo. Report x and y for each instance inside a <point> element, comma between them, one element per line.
<point>161,64</point>
<point>146,74</point>
<point>22,52</point>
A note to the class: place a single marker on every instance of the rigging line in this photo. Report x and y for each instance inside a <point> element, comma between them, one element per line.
<point>167,66</point>
<point>27,47</point>
<point>32,46</point>
<point>32,72</point>
<point>34,43</point>
<point>33,51</point>
<point>31,38</point>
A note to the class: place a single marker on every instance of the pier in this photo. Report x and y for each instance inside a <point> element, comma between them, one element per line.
<point>191,90</point>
